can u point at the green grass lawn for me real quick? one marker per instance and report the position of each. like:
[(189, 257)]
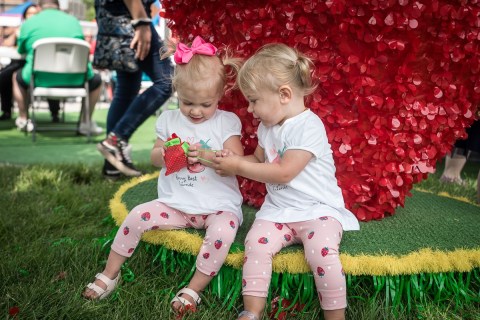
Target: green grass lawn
[(54, 214), (51, 220), (66, 146)]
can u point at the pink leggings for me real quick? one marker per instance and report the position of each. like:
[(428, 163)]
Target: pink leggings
[(321, 239), (221, 229)]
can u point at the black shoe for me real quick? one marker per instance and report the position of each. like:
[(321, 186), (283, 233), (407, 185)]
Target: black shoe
[(6, 116), (117, 151), (110, 172)]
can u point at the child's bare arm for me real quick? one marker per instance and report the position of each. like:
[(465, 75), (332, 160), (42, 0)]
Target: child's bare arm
[(234, 145), (291, 164), (158, 153)]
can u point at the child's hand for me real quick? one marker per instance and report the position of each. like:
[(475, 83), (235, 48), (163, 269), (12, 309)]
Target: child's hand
[(227, 166), (224, 153), (162, 151), (193, 154)]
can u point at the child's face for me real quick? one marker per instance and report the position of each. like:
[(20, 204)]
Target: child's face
[(265, 105), (198, 104)]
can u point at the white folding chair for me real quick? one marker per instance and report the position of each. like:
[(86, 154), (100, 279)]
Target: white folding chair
[(66, 56)]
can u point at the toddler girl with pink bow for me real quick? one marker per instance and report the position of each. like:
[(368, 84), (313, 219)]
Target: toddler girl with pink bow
[(195, 196)]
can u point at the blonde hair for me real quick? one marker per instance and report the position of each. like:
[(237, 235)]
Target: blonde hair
[(204, 71), (274, 65)]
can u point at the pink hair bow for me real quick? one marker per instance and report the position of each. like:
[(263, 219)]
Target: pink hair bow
[(183, 54)]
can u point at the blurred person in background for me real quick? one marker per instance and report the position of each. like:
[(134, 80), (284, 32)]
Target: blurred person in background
[(50, 22), (128, 109)]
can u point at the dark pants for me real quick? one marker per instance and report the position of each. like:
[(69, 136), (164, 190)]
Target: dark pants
[(6, 88), (129, 110), (6, 85)]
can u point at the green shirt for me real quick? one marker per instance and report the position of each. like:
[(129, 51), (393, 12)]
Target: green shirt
[(47, 24)]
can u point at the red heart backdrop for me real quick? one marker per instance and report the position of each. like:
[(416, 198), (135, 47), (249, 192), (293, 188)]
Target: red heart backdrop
[(399, 81)]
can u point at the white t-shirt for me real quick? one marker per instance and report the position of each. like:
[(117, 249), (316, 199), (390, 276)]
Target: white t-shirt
[(314, 192), (198, 189)]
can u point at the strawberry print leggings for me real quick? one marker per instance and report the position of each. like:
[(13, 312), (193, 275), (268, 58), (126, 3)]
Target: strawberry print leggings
[(221, 228), (321, 239)]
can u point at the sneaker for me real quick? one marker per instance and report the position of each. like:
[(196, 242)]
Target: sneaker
[(118, 152), (110, 172), (24, 124), (94, 129)]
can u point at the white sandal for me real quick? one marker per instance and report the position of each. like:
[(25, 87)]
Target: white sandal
[(185, 303), (103, 293)]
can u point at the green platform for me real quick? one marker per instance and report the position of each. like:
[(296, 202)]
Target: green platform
[(432, 245)]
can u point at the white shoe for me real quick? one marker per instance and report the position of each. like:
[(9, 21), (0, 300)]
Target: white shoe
[(94, 129), (24, 124)]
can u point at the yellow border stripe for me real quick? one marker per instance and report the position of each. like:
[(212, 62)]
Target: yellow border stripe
[(422, 261)]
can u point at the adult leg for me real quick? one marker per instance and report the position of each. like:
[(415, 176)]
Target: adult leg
[(263, 241), (321, 240), (20, 95), (54, 107), (147, 103), (147, 216), (115, 149), (127, 87), (135, 109), (22, 99), (6, 95), (6, 88), (87, 125), (93, 97)]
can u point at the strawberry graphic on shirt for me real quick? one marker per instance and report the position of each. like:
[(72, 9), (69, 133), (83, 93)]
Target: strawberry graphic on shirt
[(196, 168), (212, 273), (145, 216), (294, 232), (164, 215), (218, 244), (324, 251), (206, 255), (310, 235), (279, 226), (154, 228), (126, 230), (232, 224), (193, 219), (263, 240), (244, 283), (287, 237), (131, 250), (219, 212), (323, 218), (204, 217), (320, 272)]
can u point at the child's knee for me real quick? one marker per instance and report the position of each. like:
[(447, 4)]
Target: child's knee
[(225, 229), (219, 239)]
